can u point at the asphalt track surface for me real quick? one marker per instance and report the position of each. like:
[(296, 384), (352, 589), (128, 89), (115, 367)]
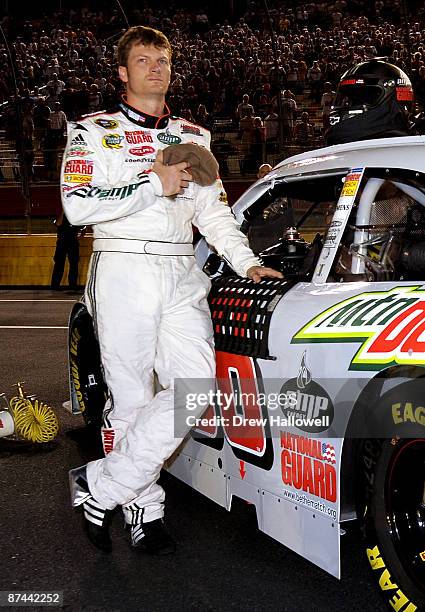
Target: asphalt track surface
[(223, 562)]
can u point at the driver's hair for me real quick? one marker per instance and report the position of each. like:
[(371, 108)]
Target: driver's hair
[(141, 35)]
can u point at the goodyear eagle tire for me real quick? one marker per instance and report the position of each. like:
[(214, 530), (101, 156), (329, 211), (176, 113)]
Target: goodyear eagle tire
[(394, 478), (88, 388)]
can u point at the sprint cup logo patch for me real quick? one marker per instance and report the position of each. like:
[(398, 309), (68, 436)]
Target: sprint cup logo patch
[(389, 325), (107, 124), (112, 141)]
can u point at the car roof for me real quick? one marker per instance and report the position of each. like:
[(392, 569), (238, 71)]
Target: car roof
[(402, 152)]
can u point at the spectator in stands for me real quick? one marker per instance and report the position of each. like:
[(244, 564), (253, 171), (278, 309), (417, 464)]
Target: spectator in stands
[(263, 170), (326, 104), (186, 113), (110, 96), (191, 98), (271, 131), (246, 134), (223, 149), (24, 140), (420, 86), (55, 138), (244, 108), (292, 76), (263, 106), (257, 144), (82, 99), (221, 64), (302, 74), (55, 88), (289, 114), (4, 89), (203, 117), (95, 98), (304, 131), (314, 78), (41, 117)]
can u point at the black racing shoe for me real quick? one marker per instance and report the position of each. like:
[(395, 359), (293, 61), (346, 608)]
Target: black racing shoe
[(96, 518), (152, 538)]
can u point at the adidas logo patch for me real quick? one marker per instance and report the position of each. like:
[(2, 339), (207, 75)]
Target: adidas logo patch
[(78, 140)]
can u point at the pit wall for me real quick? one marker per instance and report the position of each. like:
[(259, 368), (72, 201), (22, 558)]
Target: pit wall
[(28, 260)]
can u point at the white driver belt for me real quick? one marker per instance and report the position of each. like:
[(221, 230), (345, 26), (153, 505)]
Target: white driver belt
[(147, 247)]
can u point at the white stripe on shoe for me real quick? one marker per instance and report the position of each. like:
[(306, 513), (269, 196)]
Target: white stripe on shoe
[(133, 514), (137, 534), (94, 512), (95, 506), (93, 519)]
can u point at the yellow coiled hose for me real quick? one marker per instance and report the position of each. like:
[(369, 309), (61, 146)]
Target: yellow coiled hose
[(35, 422)]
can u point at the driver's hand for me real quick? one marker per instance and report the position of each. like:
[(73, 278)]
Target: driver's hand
[(173, 178), (256, 273)]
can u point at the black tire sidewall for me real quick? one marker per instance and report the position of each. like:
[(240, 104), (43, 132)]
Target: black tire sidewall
[(377, 457)]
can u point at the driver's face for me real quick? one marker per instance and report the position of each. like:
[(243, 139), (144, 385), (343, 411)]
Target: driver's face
[(148, 71)]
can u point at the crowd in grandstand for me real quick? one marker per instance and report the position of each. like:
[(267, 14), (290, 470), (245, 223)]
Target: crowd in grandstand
[(271, 88)]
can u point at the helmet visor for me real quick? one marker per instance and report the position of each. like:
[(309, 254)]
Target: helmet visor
[(358, 96)]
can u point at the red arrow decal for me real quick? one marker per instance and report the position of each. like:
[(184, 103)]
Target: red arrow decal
[(242, 470)]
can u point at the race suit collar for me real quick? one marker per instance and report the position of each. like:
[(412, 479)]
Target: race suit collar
[(143, 119)]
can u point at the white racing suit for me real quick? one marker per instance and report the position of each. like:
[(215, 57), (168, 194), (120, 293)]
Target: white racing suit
[(145, 292)]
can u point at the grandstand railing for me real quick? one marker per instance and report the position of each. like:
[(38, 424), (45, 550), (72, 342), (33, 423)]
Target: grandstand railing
[(228, 149), (33, 174)]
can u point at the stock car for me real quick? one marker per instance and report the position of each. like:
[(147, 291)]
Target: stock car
[(324, 370)]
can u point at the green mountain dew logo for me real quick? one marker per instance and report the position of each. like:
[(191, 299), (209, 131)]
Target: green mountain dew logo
[(168, 138), (390, 325)]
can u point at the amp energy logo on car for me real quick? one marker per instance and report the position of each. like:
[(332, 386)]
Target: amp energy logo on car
[(390, 325), (311, 406)]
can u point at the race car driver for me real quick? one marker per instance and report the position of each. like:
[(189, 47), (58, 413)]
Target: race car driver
[(145, 292)]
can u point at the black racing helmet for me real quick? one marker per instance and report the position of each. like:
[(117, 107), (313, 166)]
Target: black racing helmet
[(373, 100)]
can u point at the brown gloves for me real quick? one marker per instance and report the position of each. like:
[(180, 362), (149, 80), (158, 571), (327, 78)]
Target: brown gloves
[(203, 164)]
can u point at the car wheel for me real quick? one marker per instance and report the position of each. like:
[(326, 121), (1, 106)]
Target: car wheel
[(394, 519)]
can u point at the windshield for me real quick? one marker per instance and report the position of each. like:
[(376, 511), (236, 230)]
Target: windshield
[(307, 204)]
